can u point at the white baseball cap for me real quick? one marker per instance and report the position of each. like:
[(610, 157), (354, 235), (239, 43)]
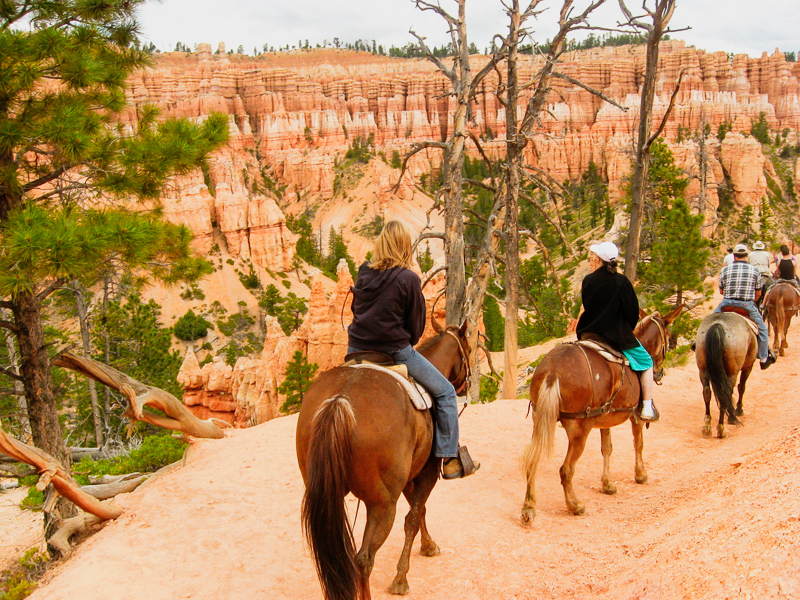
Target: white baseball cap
[(607, 251)]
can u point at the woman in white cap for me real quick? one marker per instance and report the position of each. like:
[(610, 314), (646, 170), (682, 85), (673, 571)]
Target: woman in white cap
[(611, 311)]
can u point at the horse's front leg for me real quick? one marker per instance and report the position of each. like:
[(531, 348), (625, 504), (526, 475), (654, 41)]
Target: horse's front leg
[(577, 432), (416, 492), (638, 445), (380, 519), (707, 399), (607, 448)]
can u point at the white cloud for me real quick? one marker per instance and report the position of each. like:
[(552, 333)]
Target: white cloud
[(739, 26)]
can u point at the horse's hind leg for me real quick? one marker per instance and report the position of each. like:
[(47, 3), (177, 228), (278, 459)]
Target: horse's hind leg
[(741, 387), (638, 445), (416, 492), (707, 399), (577, 432), (380, 518), (607, 448)]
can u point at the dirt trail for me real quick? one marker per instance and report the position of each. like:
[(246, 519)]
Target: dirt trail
[(717, 519)]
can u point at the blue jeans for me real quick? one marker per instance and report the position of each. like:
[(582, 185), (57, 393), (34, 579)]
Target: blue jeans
[(445, 437), (750, 307)]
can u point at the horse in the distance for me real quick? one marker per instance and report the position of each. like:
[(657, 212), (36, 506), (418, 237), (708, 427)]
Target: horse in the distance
[(780, 305), (576, 385), (726, 347), (359, 432)]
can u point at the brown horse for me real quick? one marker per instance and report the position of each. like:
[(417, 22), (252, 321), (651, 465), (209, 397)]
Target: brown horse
[(780, 305), (725, 347), (578, 387), (358, 432)]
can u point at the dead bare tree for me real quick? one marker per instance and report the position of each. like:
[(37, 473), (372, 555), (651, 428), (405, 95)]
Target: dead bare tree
[(654, 28), (503, 219), (464, 85)]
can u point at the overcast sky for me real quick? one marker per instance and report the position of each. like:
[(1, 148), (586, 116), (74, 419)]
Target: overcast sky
[(739, 26)]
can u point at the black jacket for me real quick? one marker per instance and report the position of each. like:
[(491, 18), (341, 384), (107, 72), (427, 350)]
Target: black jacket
[(610, 308), (388, 309)]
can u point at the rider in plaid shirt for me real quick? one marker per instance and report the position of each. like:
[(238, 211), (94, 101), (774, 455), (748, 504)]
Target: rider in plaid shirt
[(740, 284)]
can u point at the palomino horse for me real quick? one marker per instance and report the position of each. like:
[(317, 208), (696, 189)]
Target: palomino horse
[(780, 305), (358, 432), (726, 345), (577, 386)]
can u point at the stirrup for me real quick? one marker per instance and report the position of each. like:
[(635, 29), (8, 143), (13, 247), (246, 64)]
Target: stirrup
[(656, 415), (466, 464)]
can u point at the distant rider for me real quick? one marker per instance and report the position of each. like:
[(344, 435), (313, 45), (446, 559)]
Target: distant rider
[(761, 260), (786, 267), (740, 284)]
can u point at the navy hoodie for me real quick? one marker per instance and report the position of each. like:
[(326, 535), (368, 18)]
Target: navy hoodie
[(388, 309)]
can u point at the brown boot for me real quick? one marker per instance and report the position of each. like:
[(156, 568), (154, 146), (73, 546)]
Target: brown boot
[(459, 466)]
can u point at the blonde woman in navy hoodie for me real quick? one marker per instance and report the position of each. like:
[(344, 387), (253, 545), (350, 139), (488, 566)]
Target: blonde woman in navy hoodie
[(389, 317)]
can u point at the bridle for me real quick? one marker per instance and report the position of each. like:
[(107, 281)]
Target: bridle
[(464, 364)]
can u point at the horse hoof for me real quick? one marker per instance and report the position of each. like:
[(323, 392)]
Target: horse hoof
[(739, 412), (527, 517), (706, 432), (641, 478), (721, 433), (579, 509), (430, 550), (609, 489), (399, 586)]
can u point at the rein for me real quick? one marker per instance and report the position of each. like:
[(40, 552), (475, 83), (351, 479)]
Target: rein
[(464, 363)]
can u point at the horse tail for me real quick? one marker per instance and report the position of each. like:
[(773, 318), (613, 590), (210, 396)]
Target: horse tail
[(323, 514), (715, 365), (780, 318), (548, 405)]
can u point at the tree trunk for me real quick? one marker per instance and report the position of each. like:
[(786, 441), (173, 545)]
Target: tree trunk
[(83, 319), (13, 359), (514, 165), (36, 377), (661, 16)]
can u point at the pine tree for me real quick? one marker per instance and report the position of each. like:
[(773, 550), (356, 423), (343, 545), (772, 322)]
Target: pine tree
[(298, 378), (64, 67), (678, 256)]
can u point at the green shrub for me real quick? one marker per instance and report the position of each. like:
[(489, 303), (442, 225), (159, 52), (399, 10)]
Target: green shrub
[(156, 451), (19, 581), (191, 327), (489, 389)]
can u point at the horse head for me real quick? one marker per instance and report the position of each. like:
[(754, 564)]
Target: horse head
[(653, 332)]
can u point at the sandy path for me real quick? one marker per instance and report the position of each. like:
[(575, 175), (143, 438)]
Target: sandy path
[(20, 529), (717, 519)]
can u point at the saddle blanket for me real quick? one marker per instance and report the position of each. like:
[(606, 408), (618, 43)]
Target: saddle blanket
[(750, 323), (420, 398), (606, 352)]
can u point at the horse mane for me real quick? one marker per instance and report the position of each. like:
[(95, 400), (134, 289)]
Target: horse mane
[(430, 341)]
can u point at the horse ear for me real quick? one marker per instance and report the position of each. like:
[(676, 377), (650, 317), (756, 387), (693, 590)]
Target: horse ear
[(642, 313), (674, 314), (463, 329)]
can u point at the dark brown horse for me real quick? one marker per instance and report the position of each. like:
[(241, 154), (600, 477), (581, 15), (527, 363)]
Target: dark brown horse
[(358, 432), (578, 387), (781, 304), (726, 347)]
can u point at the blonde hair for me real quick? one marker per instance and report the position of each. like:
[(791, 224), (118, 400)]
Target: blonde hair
[(392, 248)]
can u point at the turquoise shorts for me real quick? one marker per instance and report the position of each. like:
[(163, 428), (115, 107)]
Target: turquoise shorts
[(639, 358)]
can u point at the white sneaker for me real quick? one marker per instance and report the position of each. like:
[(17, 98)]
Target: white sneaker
[(649, 413)]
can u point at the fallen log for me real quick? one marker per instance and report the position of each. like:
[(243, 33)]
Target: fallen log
[(123, 485), (176, 416), (52, 471), (77, 524)]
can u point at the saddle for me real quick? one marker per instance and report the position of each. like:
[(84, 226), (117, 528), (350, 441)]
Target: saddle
[(741, 312), (611, 355), (379, 361)]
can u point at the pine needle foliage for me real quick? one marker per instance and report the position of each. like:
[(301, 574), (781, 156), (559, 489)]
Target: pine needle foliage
[(81, 172)]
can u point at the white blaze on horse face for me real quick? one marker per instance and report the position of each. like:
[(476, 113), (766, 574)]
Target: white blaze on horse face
[(597, 376)]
